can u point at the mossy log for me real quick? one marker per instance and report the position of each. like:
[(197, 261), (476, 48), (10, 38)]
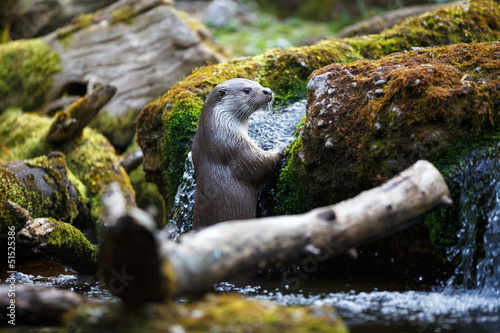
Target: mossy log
[(139, 267), (90, 157), (376, 24), (69, 124)]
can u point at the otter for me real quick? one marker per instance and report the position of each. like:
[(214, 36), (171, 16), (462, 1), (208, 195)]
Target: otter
[(230, 169)]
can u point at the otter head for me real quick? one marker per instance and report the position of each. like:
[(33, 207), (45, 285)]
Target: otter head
[(238, 99)]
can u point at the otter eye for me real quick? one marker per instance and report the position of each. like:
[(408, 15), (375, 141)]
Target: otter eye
[(247, 90)]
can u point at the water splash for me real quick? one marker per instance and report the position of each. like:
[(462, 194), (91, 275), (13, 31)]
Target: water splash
[(478, 246), (488, 270), (180, 219), (267, 128)]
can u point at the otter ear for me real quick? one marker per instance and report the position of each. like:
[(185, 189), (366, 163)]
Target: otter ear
[(222, 93)]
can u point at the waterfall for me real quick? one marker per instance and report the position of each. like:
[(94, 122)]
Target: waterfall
[(478, 246)]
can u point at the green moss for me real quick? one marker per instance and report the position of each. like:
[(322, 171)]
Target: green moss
[(147, 194), (26, 69), (453, 165), (119, 130), (90, 157), (293, 192), (123, 14), (65, 242), (219, 313), (30, 193), (449, 25)]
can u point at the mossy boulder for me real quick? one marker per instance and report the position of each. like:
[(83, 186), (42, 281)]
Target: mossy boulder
[(166, 127), (26, 70), (368, 120), (218, 313), (90, 157), (45, 187), (144, 48)]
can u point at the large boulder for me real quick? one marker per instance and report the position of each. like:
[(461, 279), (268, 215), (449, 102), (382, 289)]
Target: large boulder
[(368, 120)]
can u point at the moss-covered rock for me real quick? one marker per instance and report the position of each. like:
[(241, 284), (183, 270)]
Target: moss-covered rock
[(26, 69), (214, 313), (173, 117), (368, 120), (90, 157), (65, 244)]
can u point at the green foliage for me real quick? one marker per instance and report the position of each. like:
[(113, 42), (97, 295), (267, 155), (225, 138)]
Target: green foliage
[(26, 69)]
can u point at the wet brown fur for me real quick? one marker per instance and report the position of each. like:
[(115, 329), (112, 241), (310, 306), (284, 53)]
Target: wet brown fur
[(230, 169)]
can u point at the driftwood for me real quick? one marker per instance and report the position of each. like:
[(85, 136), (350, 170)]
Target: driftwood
[(69, 124), (47, 237), (140, 266)]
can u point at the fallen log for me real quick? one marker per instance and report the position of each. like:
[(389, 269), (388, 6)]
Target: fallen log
[(140, 266)]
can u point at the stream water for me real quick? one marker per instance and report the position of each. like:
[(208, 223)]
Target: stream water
[(370, 303)]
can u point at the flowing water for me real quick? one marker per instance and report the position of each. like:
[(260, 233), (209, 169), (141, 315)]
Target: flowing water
[(468, 302)]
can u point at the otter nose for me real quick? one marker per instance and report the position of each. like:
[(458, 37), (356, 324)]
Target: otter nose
[(267, 91)]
